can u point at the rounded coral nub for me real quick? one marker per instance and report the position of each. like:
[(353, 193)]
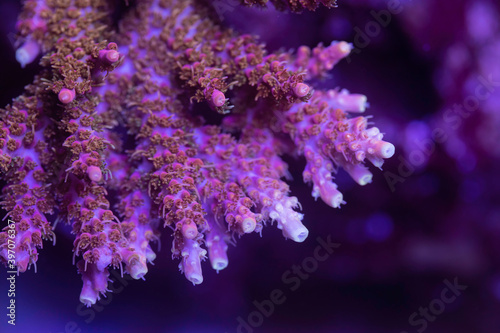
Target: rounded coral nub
[(109, 56), (248, 225), (27, 53), (191, 265), (330, 195), (218, 98), (299, 234), (385, 149), (218, 256), (66, 95), (95, 173), (112, 56), (301, 89), (189, 231), (137, 269), (344, 48)]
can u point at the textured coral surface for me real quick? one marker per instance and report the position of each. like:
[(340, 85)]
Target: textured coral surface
[(114, 136), (190, 124)]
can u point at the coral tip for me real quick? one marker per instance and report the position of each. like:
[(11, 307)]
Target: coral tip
[(218, 98), (189, 231), (301, 89), (95, 173), (66, 95)]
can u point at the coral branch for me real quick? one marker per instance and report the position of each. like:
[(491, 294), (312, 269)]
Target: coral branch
[(110, 137)]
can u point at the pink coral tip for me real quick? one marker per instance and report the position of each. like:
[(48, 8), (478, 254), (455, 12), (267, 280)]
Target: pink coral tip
[(137, 268), (344, 48), (191, 264), (66, 95), (293, 228), (112, 56), (27, 53), (109, 56), (189, 231), (353, 102), (384, 149), (95, 173), (217, 252), (248, 225), (289, 221), (301, 89), (359, 173), (94, 282), (218, 98), (328, 192)]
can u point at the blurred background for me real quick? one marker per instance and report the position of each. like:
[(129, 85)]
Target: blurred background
[(418, 248)]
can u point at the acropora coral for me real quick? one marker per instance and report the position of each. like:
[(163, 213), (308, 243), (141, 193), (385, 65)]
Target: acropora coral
[(152, 114)]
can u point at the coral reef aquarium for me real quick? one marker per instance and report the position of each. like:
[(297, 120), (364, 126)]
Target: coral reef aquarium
[(282, 166)]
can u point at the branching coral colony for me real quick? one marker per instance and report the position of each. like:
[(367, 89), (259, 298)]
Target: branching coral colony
[(114, 112)]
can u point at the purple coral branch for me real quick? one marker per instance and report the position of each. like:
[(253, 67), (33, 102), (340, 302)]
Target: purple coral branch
[(125, 114)]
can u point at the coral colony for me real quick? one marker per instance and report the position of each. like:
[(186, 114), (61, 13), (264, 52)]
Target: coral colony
[(116, 135)]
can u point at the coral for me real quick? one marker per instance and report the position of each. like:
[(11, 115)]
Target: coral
[(293, 5), (131, 110)]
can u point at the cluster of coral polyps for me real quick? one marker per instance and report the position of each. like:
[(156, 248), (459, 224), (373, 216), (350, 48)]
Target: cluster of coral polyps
[(126, 110)]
